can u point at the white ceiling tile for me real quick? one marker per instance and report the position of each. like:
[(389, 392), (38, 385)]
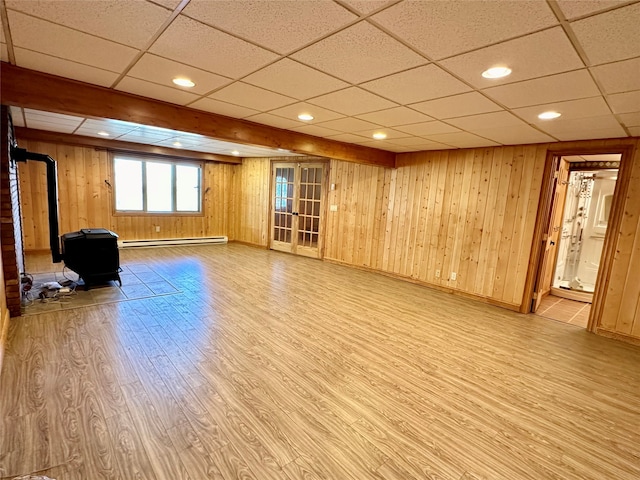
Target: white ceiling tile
[(418, 84), (465, 104), (463, 140), (40, 116), (201, 46), (427, 128), (352, 101), (625, 102), (295, 80), (630, 119), (515, 135), (319, 114), (571, 125), (495, 119), (223, 108), (50, 126), (619, 76), (586, 107), (610, 36), (555, 88), (411, 141), (91, 127), (122, 21), (262, 22), (573, 9), (316, 130), (63, 68), (160, 70), (62, 42), (349, 137), (438, 28), (527, 57), (348, 125), (17, 117), (171, 4), (246, 95), (613, 132), (635, 131), (359, 53), (136, 138), (153, 90), (274, 120), (365, 7), (395, 116)]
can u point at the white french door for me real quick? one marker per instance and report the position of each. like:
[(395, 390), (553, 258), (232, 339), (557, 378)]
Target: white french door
[(296, 211)]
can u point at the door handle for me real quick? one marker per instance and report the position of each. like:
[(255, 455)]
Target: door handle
[(552, 242), (295, 213)]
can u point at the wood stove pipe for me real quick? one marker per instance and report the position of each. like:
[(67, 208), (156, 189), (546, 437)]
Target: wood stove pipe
[(22, 155)]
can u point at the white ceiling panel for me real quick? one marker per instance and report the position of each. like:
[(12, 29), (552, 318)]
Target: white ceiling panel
[(411, 141), (160, 70), (114, 128), (246, 95), (352, 101), (528, 57), (223, 108), (574, 9), (427, 128), (625, 102), (261, 22), (418, 84), (615, 132), (274, 120), (122, 21), (555, 88), (610, 36), (495, 119), (349, 137), (62, 42), (365, 7), (471, 103), (50, 126), (514, 135), (630, 119), (319, 114), (63, 68), (153, 90), (348, 125), (293, 79), (359, 53), (40, 116), (635, 131), (395, 116), (316, 130), (619, 76), (586, 107), (462, 140), (196, 44), (576, 125), (435, 27)]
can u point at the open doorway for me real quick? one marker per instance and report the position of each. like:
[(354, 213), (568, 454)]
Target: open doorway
[(580, 211)]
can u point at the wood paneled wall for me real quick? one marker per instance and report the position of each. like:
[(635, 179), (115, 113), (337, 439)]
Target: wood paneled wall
[(471, 212), (85, 199), (250, 209)]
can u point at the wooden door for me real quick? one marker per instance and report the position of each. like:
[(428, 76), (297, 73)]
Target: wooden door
[(297, 208), (552, 235)]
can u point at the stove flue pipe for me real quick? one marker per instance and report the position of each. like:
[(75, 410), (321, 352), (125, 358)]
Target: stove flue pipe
[(22, 155)]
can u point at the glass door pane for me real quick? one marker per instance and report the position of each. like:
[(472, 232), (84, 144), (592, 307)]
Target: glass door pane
[(309, 206), (283, 204)]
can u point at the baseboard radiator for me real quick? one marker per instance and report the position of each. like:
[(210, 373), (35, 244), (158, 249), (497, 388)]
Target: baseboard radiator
[(169, 242)]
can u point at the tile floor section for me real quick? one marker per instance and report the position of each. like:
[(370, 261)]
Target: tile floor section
[(565, 310), (138, 281)]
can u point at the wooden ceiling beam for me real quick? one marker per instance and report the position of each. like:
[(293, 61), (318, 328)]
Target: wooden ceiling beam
[(21, 87), (118, 145)]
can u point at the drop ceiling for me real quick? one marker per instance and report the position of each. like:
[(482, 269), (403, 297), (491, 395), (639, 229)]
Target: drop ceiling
[(410, 69)]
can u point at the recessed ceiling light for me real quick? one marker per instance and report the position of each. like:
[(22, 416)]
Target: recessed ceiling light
[(550, 115), (379, 135), (235, 152), (177, 144), (496, 72), (305, 117), (183, 82), (103, 134)]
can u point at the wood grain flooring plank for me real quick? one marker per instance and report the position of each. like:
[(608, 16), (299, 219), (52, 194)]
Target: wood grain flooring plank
[(130, 451)]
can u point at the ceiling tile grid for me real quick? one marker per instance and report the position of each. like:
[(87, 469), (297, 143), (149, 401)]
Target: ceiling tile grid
[(410, 69)]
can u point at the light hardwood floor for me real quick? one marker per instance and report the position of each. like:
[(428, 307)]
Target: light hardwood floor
[(271, 366)]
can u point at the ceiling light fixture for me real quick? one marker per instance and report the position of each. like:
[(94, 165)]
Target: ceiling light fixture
[(183, 82), (550, 115), (103, 133), (379, 135), (235, 152), (305, 117), (496, 72), (177, 144)]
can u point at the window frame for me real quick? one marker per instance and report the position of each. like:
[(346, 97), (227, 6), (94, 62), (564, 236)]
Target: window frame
[(157, 159)]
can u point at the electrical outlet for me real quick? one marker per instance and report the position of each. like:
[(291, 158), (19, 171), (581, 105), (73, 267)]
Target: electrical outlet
[(454, 275), (157, 228), (437, 273)]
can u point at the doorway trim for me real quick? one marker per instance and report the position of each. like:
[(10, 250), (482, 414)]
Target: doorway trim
[(543, 219)]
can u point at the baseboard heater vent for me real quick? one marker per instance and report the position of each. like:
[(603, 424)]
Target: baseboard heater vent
[(168, 242)]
